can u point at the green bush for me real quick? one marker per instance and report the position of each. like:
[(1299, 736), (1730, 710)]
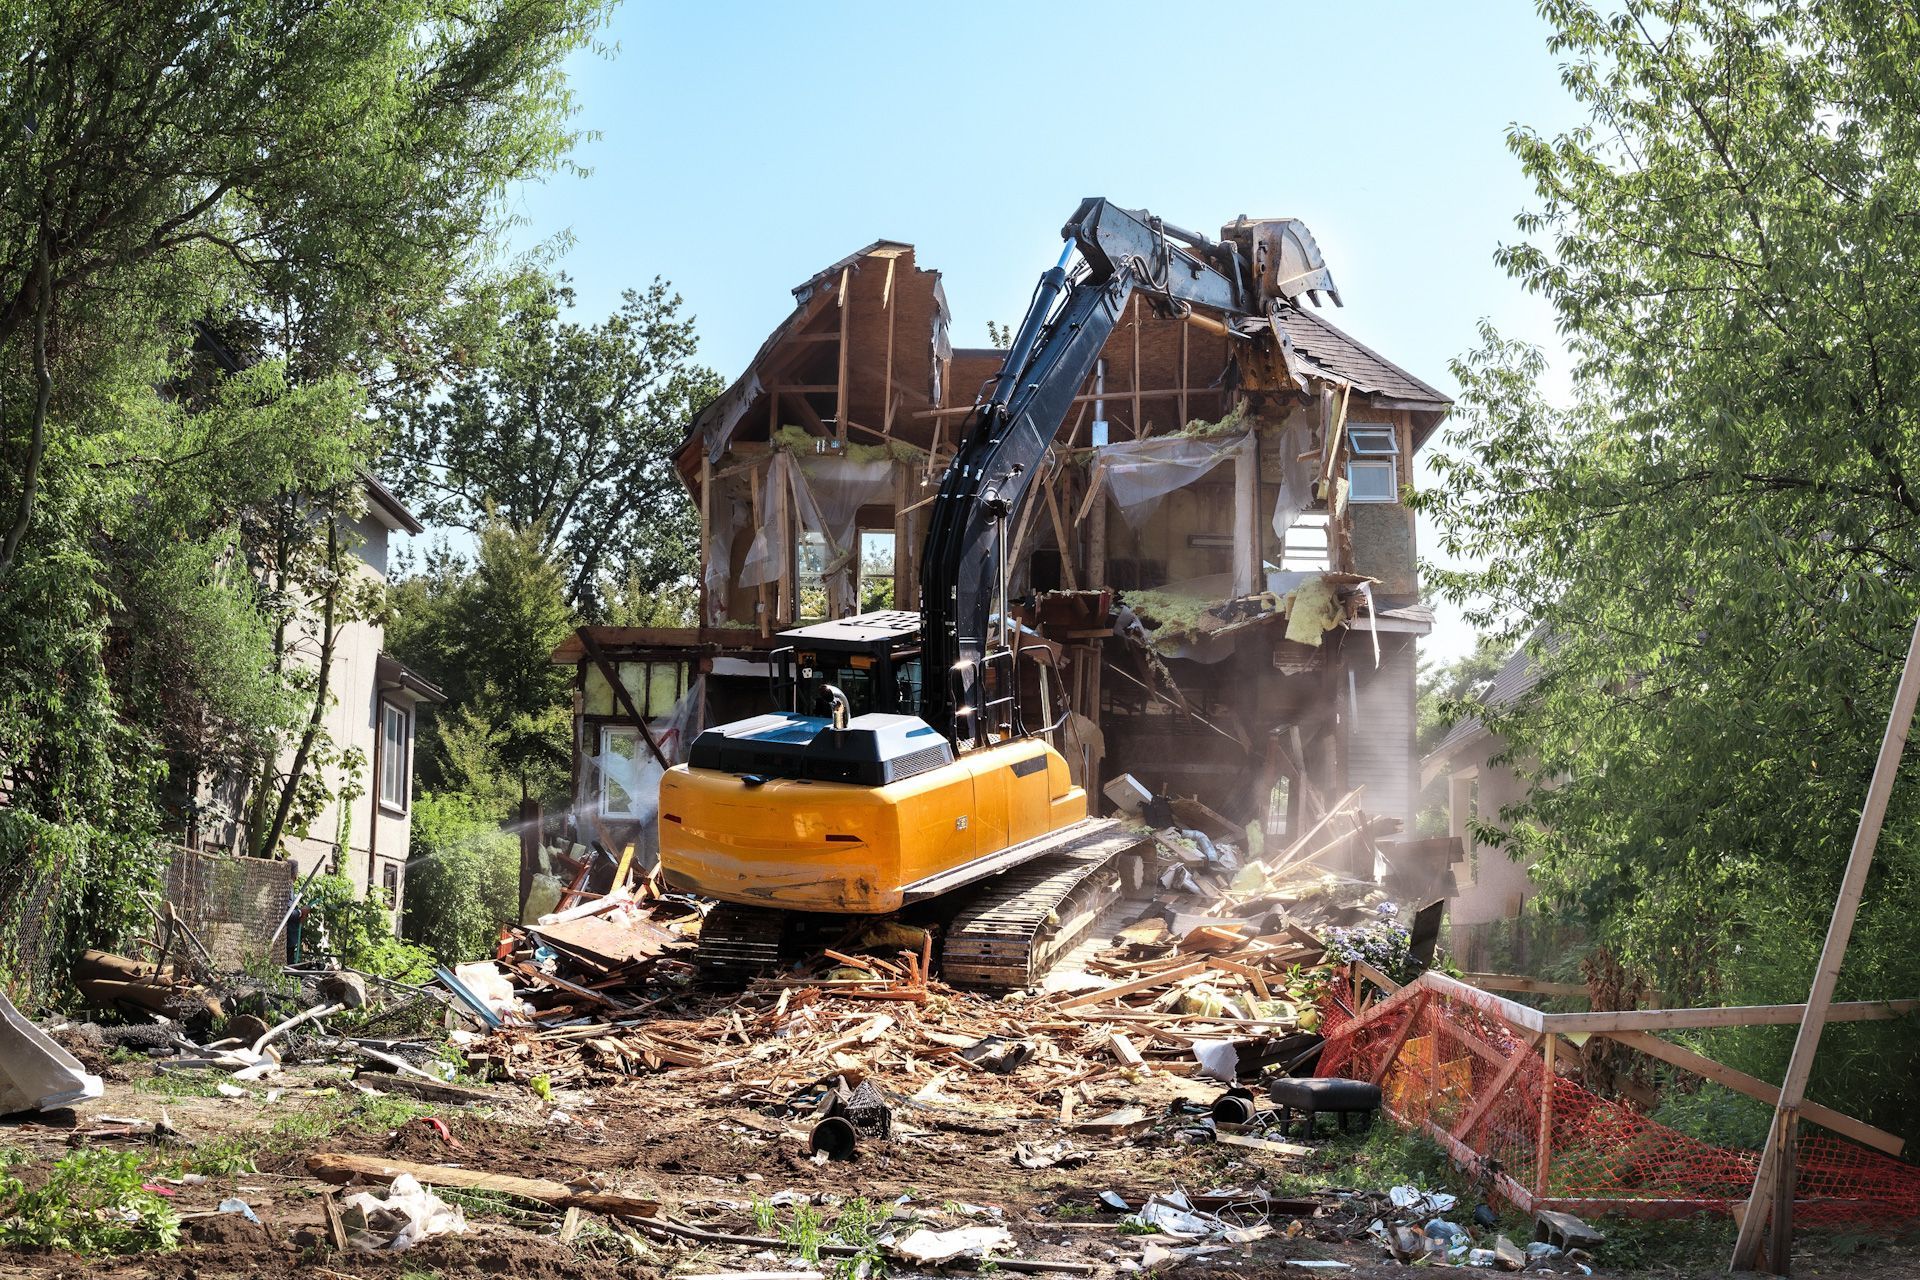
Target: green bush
[(92, 1202), (75, 886), (357, 932), (463, 878)]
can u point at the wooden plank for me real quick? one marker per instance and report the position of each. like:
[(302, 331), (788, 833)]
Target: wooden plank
[(760, 592), (339, 1167), (1543, 1146), (1067, 575), (1139, 428), (1775, 1157), (1147, 983), (706, 526), (1263, 1144), (1400, 1040), (1491, 1093), (886, 301), (1754, 1087), (1528, 986), (840, 388), (1750, 1015)]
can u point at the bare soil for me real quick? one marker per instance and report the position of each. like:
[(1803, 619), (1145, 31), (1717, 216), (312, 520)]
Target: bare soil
[(706, 1157)]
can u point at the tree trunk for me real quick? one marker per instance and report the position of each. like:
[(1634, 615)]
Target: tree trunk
[(291, 785)]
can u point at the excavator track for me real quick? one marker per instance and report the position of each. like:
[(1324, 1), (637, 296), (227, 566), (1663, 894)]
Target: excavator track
[(1011, 929), (739, 943)]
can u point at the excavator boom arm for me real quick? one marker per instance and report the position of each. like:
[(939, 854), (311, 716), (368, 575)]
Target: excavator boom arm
[(991, 478)]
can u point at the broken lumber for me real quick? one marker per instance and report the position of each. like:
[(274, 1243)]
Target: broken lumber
[(340, 1167)]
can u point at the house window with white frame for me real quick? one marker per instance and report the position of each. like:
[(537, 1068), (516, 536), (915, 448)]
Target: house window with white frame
[(619, 752), (394, 757), (1373, 462)]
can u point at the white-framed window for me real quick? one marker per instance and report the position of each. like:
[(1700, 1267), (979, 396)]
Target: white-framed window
[(1372, 480), (1308, 546), (1373, 462), (394, 757), (619, 762)]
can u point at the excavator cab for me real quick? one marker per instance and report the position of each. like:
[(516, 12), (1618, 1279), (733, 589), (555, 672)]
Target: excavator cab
[(873, 659)]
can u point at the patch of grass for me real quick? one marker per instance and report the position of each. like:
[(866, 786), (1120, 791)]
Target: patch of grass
[(1075, 1212), (325, 1117), (482, 1203), (766, 1219), (91, 1202), (1386, 1155), (175, 1085), (224, 1157), (1128, 1228)]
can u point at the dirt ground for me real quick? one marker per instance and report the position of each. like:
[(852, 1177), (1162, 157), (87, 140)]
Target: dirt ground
[(708, 1157)]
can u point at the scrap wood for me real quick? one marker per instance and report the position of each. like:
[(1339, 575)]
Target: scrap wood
[(1129, 988), (1263, 1144), (340, 1167)]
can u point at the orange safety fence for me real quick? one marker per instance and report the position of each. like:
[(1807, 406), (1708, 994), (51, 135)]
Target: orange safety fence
[(1449, 1064)]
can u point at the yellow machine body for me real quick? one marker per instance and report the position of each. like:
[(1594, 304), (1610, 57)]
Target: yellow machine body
[(838, 847)]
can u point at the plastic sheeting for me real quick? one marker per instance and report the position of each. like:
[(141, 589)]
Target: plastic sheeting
[(1141, 472), (638, 775), (820, 495)]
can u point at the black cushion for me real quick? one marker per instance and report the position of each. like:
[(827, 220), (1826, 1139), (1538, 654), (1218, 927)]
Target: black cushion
[(1324, 1093)]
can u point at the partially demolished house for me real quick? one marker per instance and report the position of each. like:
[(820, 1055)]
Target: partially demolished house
[(1227, 577)]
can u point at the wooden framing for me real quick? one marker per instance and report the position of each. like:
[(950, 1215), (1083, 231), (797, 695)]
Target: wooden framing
[(840, 383), (1542, 1033), (1770, 1208)]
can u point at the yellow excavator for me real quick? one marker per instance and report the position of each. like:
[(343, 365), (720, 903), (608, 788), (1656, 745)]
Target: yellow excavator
[(901, 773)]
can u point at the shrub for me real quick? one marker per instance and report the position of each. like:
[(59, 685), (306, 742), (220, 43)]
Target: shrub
[(463, 877)]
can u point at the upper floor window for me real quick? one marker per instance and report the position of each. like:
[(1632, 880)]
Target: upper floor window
[(1373, 462), (394, 774), (876, 569)]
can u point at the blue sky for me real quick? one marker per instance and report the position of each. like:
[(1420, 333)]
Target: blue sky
[(744, 146)]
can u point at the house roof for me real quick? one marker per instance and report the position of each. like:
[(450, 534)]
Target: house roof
[(395, 675), (1517, 677), (386, 508), (1344, 358)]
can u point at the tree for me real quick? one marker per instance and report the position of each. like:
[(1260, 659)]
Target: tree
[(482, 632), (1448, 690), (1721, 528), (300, 190), (571, 429)]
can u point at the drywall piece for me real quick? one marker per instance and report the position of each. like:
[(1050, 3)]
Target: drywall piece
[(35, 1073)]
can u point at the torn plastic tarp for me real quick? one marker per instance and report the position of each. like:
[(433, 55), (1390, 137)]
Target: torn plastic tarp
[(820, 495), (1139, 473), (35, 1073), (637, 775)]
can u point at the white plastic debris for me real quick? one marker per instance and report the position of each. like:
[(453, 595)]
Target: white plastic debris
[(35, 1073), (1175, 1220), (1219, 1059), (930, 1248), (1421, 1203), (489, 986), (408, 1214)]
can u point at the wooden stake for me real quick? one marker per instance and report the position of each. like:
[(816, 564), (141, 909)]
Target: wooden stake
[(1543, 1150), (1772, 1196)]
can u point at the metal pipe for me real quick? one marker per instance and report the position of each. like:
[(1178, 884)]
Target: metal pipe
[(841, 707)]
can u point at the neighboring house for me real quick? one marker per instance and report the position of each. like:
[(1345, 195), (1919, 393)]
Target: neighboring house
[(1490, 887), (1222, 632), (371, 715)]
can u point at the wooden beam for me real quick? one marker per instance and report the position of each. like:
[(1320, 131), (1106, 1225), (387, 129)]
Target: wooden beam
[(1147, 983), (762, 615), (1139, 428), (1529, 986), (1148, 393), (840, 390), (1491, 1093), (1067, 575), (706, 528), (1776, 1155), (1184, 330), (340, 1167), (1543, 1146), (886, 301), (1748, 1015), (1754, 1087), (620, 694)]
